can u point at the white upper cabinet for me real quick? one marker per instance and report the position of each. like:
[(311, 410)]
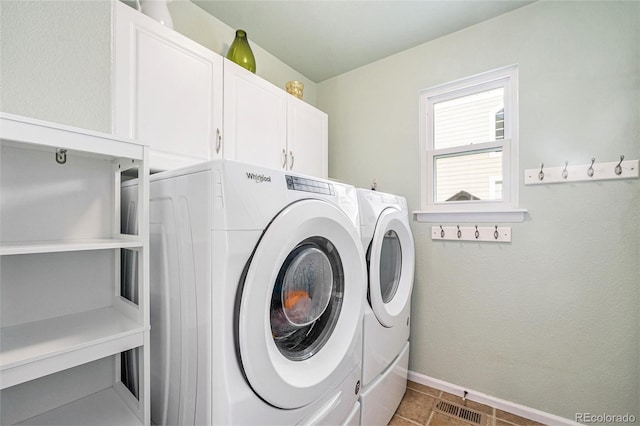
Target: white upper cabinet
[(169, 94), (168, 91), (255, 118), (307, 138), (265, 125)]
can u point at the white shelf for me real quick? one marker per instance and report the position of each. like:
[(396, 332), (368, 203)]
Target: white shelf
[(31, 349), (35, 247), (44, 347), (53, 136), (104, 408)]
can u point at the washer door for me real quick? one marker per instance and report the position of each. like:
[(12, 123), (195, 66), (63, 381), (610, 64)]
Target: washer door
[(301, 304), (391, 266)]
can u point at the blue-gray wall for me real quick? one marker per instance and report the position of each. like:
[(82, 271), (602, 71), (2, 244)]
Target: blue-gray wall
[(549, 321)]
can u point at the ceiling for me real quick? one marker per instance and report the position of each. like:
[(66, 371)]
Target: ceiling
[(322, 39)]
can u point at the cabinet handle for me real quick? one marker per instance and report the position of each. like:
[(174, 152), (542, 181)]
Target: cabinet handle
[(292, 160), (284, 159), (218, 141)]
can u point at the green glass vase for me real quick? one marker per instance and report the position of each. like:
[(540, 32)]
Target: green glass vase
[(240, 52)]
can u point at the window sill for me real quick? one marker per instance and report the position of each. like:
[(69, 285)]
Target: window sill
[(486, 216)]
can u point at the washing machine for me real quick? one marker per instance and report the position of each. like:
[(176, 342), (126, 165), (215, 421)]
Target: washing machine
[(390, 255), (257, 283)]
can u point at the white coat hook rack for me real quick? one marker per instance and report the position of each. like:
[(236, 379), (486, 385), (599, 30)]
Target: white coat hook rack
[(493, 234), (622, 169)]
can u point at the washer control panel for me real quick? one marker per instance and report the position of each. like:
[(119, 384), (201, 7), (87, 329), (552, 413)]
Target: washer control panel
[(297, 183)]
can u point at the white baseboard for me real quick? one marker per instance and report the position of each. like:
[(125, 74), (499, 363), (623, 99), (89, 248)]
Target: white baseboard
[(491, 401)]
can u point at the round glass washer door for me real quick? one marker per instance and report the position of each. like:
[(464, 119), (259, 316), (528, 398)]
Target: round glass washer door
[(391, 266), (306, 299), (300, 307)]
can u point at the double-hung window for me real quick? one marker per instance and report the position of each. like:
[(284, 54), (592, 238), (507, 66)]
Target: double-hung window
[(469, 147)]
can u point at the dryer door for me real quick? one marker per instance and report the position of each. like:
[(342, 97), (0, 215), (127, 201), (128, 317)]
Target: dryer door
[(391, 266), (301, 304)]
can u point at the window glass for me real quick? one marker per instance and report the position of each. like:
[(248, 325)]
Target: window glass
[(469, 142), (469, 119), (468, 177)]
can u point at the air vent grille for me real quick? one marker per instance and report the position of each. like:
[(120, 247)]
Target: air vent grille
[(460, 412)]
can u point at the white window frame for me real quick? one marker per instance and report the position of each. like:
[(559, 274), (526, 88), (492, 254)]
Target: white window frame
[(505, 210)]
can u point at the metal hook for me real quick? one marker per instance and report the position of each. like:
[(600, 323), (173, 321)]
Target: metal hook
[(565, 173), (590, 169), (61, 156), (477, 234), (541, 174), (495, 233), (618, 168), (459, 232), (441, 232)]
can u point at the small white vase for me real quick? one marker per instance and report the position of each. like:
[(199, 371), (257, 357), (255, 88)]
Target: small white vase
[(156, 9)]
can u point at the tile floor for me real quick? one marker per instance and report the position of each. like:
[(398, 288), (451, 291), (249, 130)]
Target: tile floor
[(417, 408)]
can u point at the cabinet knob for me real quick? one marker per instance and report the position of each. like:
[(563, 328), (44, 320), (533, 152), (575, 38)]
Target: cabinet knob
[(292, 160), (284, 158)]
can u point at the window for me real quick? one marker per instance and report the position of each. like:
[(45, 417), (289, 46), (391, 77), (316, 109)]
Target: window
[(469, 146)]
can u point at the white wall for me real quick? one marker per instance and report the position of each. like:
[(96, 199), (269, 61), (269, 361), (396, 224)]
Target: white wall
[(551, 320), (56, 58)]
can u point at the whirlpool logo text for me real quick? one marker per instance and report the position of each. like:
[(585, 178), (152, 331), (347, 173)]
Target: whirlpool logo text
[(258, 178)]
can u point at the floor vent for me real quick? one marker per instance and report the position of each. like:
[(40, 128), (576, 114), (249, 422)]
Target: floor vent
[(460, 412)]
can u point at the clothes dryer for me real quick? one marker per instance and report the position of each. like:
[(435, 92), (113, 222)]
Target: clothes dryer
[(390, 255), (257, 283)]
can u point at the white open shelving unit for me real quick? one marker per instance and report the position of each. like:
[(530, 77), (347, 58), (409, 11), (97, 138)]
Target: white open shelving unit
[(74, 314)]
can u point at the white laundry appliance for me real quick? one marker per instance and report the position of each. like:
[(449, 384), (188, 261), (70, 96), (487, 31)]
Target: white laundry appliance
[(257, 282), (390, 253)]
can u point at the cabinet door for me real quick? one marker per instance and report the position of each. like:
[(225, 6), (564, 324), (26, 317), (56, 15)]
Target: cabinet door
[(168, 91), (255, 118), (307, 129)]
